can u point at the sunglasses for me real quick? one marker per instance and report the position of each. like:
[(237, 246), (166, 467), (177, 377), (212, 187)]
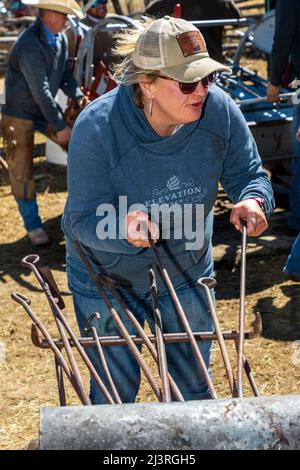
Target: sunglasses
[(188, 88)]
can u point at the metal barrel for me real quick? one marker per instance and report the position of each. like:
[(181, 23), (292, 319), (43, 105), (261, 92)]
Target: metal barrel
[(239, 423)]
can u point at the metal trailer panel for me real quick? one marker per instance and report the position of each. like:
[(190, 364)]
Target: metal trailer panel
[(247, 423)]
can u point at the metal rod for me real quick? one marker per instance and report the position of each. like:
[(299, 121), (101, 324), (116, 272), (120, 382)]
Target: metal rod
[(130, 343), (57, 312), (225, 22), (240, 352), (249, 373), (119, 341), (182, 316), (72, 360), (105, 367), (60, 382), (146, 340), (263, 99), (208, 283), (160, 344), (74, 366), (102, 358), (22, 300)]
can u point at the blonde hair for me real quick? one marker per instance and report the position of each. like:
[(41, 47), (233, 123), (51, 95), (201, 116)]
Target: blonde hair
[(125, 71)]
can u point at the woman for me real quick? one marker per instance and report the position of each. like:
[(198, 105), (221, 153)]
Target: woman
[(165, 137)]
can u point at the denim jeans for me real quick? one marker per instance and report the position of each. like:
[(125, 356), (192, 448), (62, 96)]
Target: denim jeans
[(294, 197), (292, 265), (123, 367), (30, 214)]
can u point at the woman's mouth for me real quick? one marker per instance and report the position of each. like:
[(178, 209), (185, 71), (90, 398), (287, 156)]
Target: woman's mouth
[(197, 105)]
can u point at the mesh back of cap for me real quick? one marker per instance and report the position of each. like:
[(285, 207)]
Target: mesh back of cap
[(148, 49)]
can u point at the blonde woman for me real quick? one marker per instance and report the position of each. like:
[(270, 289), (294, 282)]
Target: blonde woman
[(163, 139)]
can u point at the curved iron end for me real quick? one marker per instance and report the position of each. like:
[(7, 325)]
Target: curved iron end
[(210, 282), (30, 260), (20, 298), (94, 316)]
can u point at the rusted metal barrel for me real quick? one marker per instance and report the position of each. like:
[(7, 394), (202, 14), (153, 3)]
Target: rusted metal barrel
[(247, 423)]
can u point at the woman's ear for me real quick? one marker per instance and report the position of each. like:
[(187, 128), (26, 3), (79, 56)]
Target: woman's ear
[(146, 87)]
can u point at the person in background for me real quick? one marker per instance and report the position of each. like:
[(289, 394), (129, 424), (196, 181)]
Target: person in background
[(292, 265), (97, 17), (38, 67), (156, 140), (286, 50), (200, 10)]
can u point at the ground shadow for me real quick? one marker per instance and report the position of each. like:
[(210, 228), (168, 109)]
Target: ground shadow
[(51, 255), (263, 267), (281, 323)]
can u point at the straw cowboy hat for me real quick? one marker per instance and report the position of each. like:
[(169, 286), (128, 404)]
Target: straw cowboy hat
[(69, 7)]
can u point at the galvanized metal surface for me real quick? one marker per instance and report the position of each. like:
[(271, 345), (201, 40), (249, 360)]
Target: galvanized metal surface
[(248, 423)]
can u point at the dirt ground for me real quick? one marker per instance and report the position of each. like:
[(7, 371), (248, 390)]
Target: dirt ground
[(27, 376)]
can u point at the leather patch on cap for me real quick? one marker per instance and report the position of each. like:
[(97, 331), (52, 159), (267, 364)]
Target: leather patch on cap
[(191, 43)]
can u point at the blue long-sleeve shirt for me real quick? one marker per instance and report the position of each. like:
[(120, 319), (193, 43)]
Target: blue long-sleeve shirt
[(114, 152), (35, 73)]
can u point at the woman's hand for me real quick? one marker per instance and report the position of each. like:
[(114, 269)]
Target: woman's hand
[(251, 213), (64, 136), (298, 135), (137, 221)]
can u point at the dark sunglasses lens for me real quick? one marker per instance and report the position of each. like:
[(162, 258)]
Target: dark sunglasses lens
[(188, 88), (206, 81)]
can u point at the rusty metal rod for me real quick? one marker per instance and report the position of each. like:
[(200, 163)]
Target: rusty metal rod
[(119, 341), (249, 373), (57, 312), (120, 325), (25, 302), (102, 358), (72, 360), (60, 382), (160, 344), (105, 367), (182, 316), (74, 366), (208, 283), (145, 339), (240, 351)]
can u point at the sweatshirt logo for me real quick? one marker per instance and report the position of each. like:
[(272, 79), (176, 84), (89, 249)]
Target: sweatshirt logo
[(173, 183), (178, 191)]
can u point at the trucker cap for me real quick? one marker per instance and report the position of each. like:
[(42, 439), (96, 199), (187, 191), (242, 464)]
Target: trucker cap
[(177, 48)]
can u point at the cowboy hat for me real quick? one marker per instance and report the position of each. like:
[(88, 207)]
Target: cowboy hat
[(68, 7)]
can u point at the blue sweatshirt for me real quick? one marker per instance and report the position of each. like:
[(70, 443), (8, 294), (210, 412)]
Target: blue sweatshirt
[(115, 152)]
